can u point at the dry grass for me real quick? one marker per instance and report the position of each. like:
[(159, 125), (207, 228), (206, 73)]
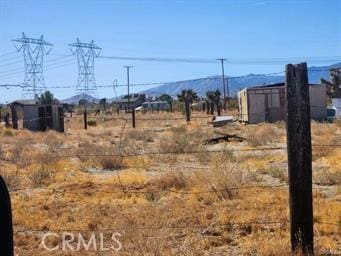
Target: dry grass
[(261, 135), (41, 177), (179, 201), (111, 162)]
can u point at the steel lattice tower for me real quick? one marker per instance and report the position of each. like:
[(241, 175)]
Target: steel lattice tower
[(86, 53), (33, 51)]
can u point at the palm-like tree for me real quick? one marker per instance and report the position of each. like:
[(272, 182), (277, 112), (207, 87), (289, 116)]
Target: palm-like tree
[(334, 85), (46, 98), (103, 103), (168, 99), (215, 98), (188, 97)]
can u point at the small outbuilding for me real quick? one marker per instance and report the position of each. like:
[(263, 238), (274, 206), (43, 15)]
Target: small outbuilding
[(156, 105), (267, 103), (134, 101), (40, 117)]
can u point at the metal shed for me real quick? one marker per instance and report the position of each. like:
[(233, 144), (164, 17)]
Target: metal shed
[(40, 117), (267, 103)]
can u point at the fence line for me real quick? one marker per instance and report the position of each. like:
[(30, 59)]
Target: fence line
[(129, 190), (260, 223)]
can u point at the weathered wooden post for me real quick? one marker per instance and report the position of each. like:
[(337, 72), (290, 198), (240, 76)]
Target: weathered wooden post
[(133, 116), (85, 118), (219, 108), (6, 227), (14, 117), (212, 108), (299, 159), (187, 110)]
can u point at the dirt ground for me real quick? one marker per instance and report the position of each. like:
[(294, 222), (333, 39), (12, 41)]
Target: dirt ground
[(162, 189)]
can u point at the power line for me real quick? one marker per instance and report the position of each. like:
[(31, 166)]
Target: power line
[(8, 53), (230, 61), (48, 67), (49, 62)]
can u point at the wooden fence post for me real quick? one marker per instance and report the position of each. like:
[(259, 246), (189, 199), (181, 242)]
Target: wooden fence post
[(299, 158), (187, 110), (133, 116), (85, 119), (6, 230)]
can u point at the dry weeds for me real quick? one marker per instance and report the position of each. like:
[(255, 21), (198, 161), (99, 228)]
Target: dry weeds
[(179, 202)]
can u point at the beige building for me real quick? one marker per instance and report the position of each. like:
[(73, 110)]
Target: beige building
[(267, 103)]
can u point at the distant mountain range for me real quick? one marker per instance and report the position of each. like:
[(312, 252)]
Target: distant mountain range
[(75, 99), (202, 85)]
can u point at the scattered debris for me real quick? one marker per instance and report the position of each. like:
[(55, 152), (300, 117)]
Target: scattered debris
[(224, 137), (219, 121)]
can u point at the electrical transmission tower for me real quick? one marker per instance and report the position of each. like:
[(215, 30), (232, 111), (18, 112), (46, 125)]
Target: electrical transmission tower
[(86, 53), (33, 51)]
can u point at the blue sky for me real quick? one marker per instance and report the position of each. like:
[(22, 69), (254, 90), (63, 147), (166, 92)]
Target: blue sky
[(234, 29)]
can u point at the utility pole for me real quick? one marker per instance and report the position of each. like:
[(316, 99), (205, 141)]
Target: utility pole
[(299, 159), (128, 86), (226, 90)]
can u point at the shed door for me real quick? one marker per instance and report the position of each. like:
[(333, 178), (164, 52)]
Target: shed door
[(49, 117), (60, 120), (256, 108), (42, 119)]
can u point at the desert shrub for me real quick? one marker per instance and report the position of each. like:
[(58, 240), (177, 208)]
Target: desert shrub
[(8, 133), (171, 180), (278, 173), (327, 176), (111, 162), (179, 141), (12, 180), (52, 141), (19, 154), (139, 135), (45, 158), (41, 177), (261, 135), (226, 155), (97, 155), (232, 103), (179, 129), (92, 123), (323, 139), (223, 178)]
